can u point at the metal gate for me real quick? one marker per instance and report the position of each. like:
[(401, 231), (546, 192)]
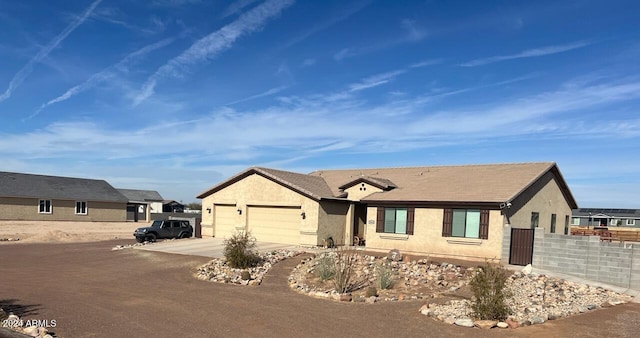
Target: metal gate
[(521, 250)]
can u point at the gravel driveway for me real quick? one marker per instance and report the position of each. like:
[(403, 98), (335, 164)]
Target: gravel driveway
[(92, 291)]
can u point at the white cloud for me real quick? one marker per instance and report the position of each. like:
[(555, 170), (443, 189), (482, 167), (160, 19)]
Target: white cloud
[(375, 80), (214, 43), (266, 93), (105, 74), (23, 73), (309, 62), (542, 51), (237, 6), (343, 54), (414, 31)]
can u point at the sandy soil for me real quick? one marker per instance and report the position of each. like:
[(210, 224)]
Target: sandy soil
[(60, 231)]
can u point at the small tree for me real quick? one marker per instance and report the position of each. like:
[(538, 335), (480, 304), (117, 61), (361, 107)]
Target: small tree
[(240, 251), (488, 287), (385, 276), (326, 267), (345, 262)]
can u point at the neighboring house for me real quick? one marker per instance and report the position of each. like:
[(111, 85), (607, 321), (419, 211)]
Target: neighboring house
[(589, 217), (456, 211), (172, 206), (142, 202), (53, 198)]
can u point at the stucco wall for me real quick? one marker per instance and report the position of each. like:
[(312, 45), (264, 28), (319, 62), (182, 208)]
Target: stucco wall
[(544, 197), (259, 191), (427, 237), (61, 210), (360, 191), (332, 221)]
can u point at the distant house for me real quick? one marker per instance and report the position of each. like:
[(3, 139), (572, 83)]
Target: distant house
[(458, 211), (600, 217), (52, 198), (142, 202), (172, 206)]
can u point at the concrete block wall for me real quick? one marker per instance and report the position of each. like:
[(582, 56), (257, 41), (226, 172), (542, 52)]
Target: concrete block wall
[(587, 257)]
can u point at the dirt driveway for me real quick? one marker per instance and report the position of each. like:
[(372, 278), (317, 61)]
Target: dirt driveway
[(92, 291)]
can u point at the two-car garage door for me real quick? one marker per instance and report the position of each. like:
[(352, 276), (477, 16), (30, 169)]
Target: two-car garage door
[(274, 224)]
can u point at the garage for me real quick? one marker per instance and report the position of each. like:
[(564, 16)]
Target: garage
[(275, 224), (225, 219)]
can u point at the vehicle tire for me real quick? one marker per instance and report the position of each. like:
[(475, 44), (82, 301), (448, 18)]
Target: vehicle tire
[(139, 239), (184, 235), (150, 238)]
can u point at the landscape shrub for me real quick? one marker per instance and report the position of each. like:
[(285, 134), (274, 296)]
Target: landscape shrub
[(345, 264), (385, 276), (326, 268), (488, 287), (240, 251)]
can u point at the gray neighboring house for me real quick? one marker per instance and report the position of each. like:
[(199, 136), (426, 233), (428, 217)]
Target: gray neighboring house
[(31, 197), (142, 201), (601, 217)]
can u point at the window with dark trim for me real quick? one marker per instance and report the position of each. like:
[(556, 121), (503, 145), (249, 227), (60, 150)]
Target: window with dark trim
[(535, 219), (466, 223), (566, 224), (553, 223), (44, 206), (81, 208), (395, 220)]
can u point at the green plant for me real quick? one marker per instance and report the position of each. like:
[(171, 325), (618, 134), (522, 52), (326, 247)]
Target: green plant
[(371, 291), (326, 267), (240, 251), (488, 287), (245, 275), (385, 276)]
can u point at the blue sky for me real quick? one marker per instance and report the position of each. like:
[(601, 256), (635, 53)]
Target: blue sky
[(177, 95)]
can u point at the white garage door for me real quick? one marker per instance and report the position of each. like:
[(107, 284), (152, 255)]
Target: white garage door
[(275, 224), (225, 218)]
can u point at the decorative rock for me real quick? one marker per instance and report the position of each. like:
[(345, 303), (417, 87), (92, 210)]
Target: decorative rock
[(449, 320), (536, 320), (345, 297), (31, 331), (372, 299), (512, 324), (527, 269), (485, 324), (502, 325), (464, 322), (394, 255)]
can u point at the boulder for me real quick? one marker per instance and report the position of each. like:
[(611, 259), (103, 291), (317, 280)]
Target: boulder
[(485, 324), (394, 255), (502, 325), (464, 322), (527, 269)]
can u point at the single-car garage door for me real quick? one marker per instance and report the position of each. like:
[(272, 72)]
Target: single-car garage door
[(225, 218), (275, 224)]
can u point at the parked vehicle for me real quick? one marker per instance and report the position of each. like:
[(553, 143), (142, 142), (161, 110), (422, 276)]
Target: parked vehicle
[(164, 229)]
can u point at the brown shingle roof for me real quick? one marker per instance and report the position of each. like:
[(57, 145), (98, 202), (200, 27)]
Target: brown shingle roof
[(494, 183), (311, 186), (487, 183)]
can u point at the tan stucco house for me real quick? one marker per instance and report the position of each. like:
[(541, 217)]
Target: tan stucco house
[(29, 197), (455, 211)]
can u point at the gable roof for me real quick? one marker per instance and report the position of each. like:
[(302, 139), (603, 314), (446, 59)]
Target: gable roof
[(486, 183), (307, 185), (464, 184), (56, 187), (141, 195)]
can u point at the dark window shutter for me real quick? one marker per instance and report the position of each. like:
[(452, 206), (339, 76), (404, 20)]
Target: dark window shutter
[(484, 224), (446, 222), (380, 220), (410, 216)]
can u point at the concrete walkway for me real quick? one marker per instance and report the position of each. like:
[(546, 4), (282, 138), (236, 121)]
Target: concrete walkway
[(205, 247)]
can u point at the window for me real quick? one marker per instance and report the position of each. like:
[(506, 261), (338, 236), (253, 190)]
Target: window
[(467, 223), (631, 222), (81, 208), (44, 207), (615, 222), (553, 223), (535, 219), (395, 220), (566, 224), (575, 221)]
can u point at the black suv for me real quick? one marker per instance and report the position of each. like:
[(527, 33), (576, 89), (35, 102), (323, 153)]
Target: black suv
[(164, 229)]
